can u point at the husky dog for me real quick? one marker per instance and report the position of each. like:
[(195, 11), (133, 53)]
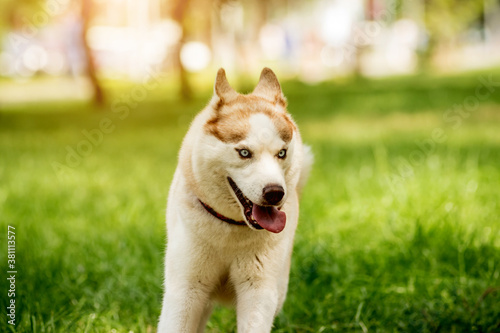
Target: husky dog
[(232, 209)]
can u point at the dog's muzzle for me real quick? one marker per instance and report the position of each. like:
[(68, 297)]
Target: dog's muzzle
[(267, 217)]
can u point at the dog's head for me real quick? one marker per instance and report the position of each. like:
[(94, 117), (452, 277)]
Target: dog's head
[(249, 152)]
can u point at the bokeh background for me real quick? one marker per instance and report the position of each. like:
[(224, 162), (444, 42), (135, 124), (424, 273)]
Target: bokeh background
[(87, 41), (400, 101)]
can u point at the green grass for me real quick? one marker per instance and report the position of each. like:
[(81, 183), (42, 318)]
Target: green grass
[(385, 243)]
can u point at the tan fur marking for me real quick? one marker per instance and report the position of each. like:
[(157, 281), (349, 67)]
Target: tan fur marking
[(284, 125), (280, 101), (219, 104), (230, 127), (231, 120)]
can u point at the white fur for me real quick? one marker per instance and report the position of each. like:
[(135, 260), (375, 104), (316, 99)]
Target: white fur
[(208, 259), (264, 142)]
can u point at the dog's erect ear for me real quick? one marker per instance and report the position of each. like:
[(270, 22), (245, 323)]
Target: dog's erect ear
[(269, 87), (222, 88)]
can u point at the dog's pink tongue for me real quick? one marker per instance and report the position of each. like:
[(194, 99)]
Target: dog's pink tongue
[(269, 218)]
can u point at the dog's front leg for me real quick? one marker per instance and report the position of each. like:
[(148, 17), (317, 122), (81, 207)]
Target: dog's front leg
[(189, 280), (183, 308), (256, 307)]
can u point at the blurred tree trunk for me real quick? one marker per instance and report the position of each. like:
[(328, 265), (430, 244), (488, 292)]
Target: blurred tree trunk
[(179, 15), (89, 57), (425, 61), (361, 48)]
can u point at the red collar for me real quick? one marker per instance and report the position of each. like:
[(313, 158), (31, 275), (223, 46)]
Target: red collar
[(219, 216)]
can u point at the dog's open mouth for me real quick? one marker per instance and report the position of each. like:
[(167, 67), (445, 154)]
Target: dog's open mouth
[(260, 217)]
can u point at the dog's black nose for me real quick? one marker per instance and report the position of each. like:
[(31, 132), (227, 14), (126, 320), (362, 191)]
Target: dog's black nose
[(273, 194)]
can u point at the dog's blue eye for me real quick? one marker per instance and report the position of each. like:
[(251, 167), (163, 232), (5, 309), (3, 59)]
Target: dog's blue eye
[(245, 153), (282, 153)]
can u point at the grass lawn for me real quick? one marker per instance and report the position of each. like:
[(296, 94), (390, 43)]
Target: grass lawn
[(400, 221)]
